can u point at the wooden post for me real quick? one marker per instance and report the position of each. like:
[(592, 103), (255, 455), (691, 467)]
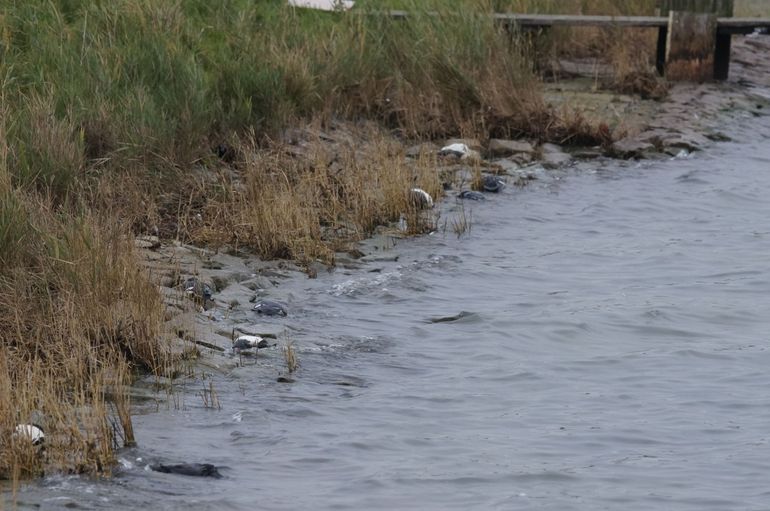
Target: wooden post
[(722, 56), (690, 46), (660, 53), (720, 8)]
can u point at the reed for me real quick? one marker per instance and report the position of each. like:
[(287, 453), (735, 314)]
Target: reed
[(290, 357)]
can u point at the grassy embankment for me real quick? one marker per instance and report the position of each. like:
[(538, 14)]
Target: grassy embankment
[(110, 114)]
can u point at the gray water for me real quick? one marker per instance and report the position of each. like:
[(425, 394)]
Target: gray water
[(613, 356)]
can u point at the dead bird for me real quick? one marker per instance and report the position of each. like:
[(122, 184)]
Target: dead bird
[(471, 195), (30, 432), (250, 342), (420, 198), (492, 184), (458, 150), (188, 469), (198, 290), (269, 308)]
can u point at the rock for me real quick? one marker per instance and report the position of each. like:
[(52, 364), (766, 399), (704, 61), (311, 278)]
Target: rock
[(690, 141), (587, 153), (553, 156), (522, 158), (315, 267), (148, 242), (718, 136), (285, 379), (631, 147), (501, 148)]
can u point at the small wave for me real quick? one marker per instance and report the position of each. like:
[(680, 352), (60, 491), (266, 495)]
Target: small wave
[(358, 286)]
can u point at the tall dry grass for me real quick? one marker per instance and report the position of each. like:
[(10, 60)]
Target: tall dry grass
[(77, 316), (305, 202)]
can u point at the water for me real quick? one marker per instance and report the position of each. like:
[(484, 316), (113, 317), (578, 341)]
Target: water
[(612, 355)]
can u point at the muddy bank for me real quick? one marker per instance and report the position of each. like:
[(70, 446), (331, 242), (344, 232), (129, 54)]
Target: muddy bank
[(203, 329), (689, 117)]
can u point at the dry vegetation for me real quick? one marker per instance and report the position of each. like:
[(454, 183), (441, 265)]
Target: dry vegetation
[(136, 116), (305, 201)]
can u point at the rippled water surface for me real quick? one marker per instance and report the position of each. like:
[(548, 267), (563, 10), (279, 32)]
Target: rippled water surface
[(612, 355)]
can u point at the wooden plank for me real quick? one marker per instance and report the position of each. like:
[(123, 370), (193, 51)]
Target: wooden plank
[(551, 20), (724, 25), (741, 25), (690, 46)]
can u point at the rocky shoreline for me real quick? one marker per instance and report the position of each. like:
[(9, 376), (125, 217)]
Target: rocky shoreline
[(687, 120)]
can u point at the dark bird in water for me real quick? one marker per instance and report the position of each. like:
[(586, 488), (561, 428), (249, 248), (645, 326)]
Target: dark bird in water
[(269, 308), (188, 469), (492, 184), (471, 195)]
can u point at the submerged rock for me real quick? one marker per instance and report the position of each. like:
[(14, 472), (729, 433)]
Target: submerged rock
[(631, 147), (553, 156), (270, 308), (188, 469)]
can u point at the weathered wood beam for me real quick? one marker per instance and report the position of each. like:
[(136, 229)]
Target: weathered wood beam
[(724, 25), (690, 46), (552, 20)]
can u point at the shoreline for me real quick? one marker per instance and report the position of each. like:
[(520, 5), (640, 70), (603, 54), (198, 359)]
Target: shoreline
[(688, 120), (194, 175)]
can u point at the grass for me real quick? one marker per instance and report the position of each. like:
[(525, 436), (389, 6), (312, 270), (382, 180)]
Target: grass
[(462, 222), (148, 116), (290, 357), (78, 318)]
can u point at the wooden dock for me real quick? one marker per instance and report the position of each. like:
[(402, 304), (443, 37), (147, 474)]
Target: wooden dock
[(725, 29)]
